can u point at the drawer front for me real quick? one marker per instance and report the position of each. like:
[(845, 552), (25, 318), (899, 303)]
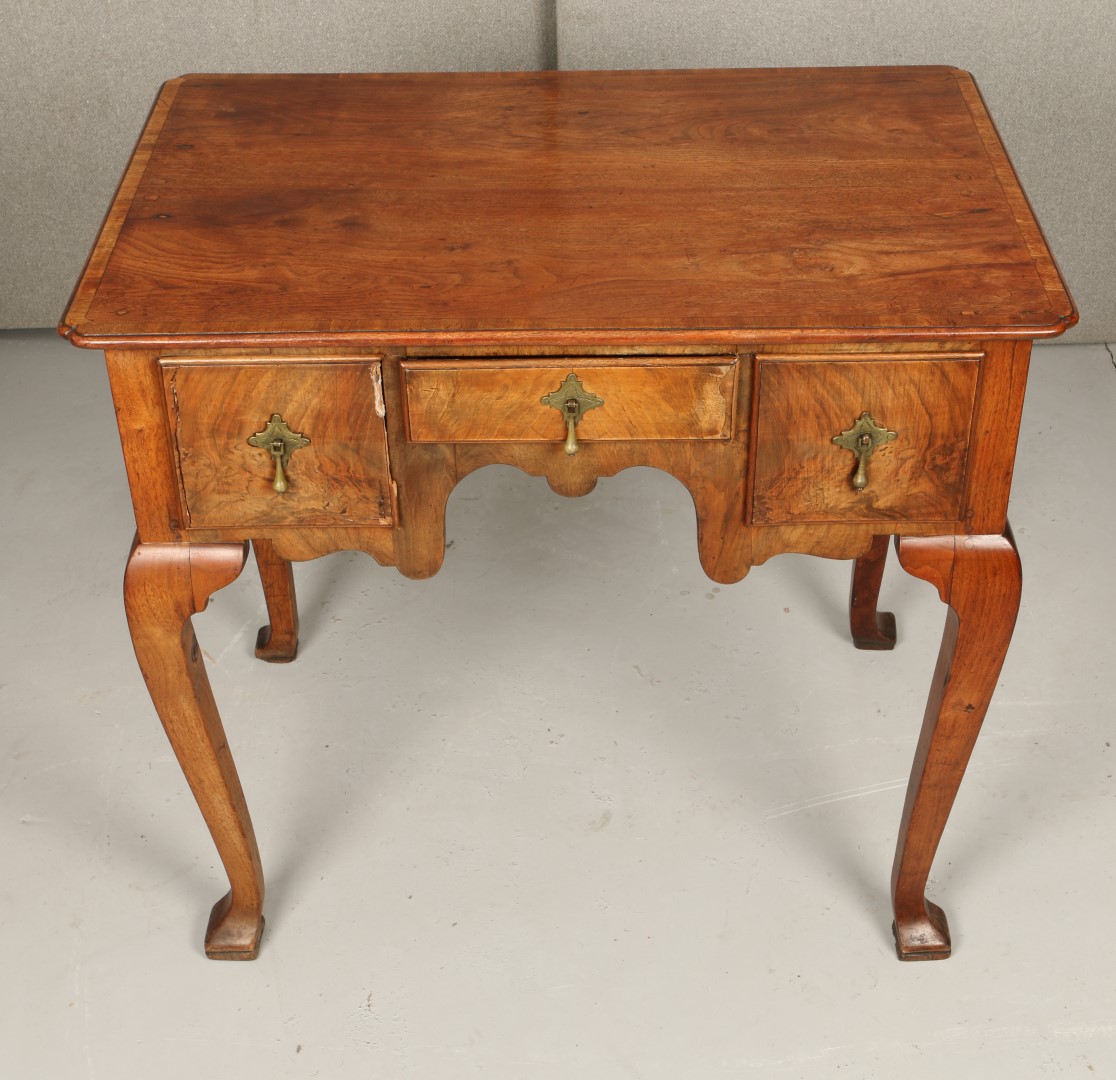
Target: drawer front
[(340, 477), (801, 475), (649, 397)]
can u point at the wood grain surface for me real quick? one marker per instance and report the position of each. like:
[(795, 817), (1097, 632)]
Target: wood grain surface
[(685, 205), (647, 398)]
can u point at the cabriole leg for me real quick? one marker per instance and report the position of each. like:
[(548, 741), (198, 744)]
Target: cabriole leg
[(278, 641), (871, 629), (163, 586), (979, 578)]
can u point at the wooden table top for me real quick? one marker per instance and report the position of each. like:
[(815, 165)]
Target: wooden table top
[(612, 207)]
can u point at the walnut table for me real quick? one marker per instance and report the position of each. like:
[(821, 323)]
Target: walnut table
[(810, 295)]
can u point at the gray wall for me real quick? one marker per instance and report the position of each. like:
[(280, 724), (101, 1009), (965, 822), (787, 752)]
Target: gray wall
[(76, 81)]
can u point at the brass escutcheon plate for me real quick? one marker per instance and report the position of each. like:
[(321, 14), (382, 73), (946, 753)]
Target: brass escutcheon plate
[(279, 441), (573, 401), (862, 439)]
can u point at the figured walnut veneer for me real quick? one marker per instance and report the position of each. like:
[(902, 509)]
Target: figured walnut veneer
[(340, 478), (801, 404), (652, 398)]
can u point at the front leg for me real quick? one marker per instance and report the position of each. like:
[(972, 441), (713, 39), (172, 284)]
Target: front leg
[(163, 586), (979, 578)]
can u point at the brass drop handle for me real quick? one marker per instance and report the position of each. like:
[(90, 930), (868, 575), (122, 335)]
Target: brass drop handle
[(573, 414), (572, 400), (278, 452), (280, 442), (862, 439)]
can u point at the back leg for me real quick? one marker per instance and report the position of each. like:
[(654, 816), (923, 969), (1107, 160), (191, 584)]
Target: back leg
[(871, 629), (278, 641)]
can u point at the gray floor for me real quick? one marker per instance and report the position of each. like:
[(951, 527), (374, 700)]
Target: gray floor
[(567, 809)]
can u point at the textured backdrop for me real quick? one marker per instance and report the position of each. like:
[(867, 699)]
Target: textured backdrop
[(76, 81)]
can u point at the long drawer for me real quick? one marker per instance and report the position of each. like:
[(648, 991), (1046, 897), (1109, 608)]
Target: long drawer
[(648, 397)]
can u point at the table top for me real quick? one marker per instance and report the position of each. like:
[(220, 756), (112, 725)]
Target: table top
[(785, 205)]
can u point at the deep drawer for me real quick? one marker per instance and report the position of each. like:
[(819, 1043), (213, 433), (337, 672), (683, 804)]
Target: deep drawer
[(340, 477), (801, 475)]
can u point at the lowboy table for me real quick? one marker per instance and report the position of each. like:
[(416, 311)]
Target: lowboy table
[(809, 295)]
